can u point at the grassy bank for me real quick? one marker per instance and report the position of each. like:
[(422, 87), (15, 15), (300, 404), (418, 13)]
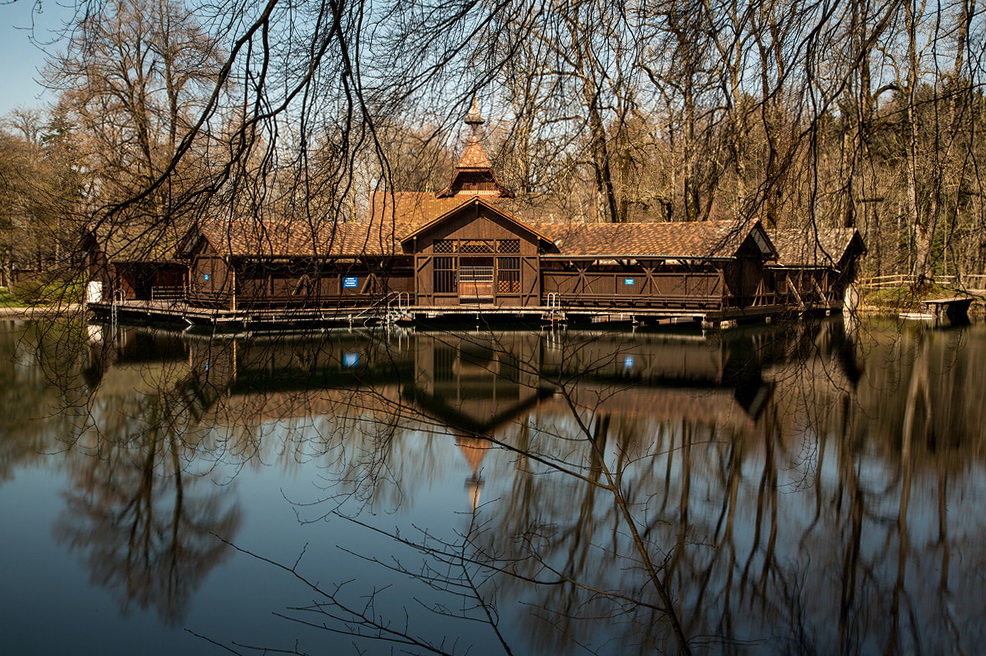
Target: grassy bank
[(893, 300), (31, 293), (8, 300)]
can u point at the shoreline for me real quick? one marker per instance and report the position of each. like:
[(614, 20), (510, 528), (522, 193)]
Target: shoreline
[(30, 311)]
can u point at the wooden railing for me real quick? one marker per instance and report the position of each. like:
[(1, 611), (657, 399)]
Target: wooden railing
[(664, 301), (167, 293)]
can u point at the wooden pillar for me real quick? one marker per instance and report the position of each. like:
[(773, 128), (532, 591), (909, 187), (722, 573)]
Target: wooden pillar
[(232, 284)]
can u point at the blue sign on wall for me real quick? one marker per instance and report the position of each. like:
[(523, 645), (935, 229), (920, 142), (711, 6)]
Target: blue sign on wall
[(205, 276), (350, 359), (628, 281), (350, 281), (628, 362)]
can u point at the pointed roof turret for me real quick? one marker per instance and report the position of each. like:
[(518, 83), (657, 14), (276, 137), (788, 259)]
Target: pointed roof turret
[(474, 174), (474, 157)]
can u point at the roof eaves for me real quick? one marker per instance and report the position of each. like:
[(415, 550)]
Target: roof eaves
[(634, 256)]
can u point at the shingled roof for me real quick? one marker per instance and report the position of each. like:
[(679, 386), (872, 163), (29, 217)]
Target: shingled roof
[(394, 218), (294, 238), (391, 218), (810, 248), (408, 211), (474, 157), (694, 240)]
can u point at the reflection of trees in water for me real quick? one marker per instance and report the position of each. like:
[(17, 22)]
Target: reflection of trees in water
[(794, 530), (752, 552), (146, 528), (142, 510), (790, 498), (33, 409)]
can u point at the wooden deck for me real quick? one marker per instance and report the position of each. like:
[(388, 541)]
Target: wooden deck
[(954, 310)]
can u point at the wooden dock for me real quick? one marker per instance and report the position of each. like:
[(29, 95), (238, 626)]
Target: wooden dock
[(181, 314), (954, 310)]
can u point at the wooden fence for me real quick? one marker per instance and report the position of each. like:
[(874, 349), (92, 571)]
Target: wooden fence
[(968, 282)]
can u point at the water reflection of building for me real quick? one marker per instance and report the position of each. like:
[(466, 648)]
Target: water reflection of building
[(477, 385), (481, 388), (483, 385)]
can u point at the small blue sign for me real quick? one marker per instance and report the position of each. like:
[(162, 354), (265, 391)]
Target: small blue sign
[(628, 281), (350, 359), (350, 282), (628, 362), (205, 276)]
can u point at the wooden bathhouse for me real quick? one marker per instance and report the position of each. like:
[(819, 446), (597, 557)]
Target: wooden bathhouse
[(291, 264), (133, 263), (815, 269), (472, 249)]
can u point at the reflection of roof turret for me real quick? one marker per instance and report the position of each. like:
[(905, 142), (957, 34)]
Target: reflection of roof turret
[(474, 449)]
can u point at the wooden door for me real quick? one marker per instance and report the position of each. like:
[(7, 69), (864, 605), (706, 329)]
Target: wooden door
[(475, 278)]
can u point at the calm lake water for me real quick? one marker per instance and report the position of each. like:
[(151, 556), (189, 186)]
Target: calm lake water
[(805, 488)]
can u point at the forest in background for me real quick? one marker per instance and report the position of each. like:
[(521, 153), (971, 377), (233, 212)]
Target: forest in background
[(803, 114)]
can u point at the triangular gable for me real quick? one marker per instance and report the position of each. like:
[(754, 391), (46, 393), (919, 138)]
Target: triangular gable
[(823, 248), (476, 200), (762, 240), (188, 244), (855, 245)]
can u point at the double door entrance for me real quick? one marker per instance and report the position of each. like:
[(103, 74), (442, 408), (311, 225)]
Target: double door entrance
[(476, 278)]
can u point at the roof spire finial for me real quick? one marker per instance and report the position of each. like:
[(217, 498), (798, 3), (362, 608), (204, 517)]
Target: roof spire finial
[(474, 119)]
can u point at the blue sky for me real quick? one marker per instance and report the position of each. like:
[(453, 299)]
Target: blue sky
[(20, 59)]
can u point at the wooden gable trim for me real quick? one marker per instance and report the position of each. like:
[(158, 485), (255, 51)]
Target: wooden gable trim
[(760, 237), (474, 201), (855, 249), (194, 243)]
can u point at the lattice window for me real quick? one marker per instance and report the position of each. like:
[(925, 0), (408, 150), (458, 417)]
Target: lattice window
[(445, 275), (508, 275), (508, 246), (476, 246), (444, 246)]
